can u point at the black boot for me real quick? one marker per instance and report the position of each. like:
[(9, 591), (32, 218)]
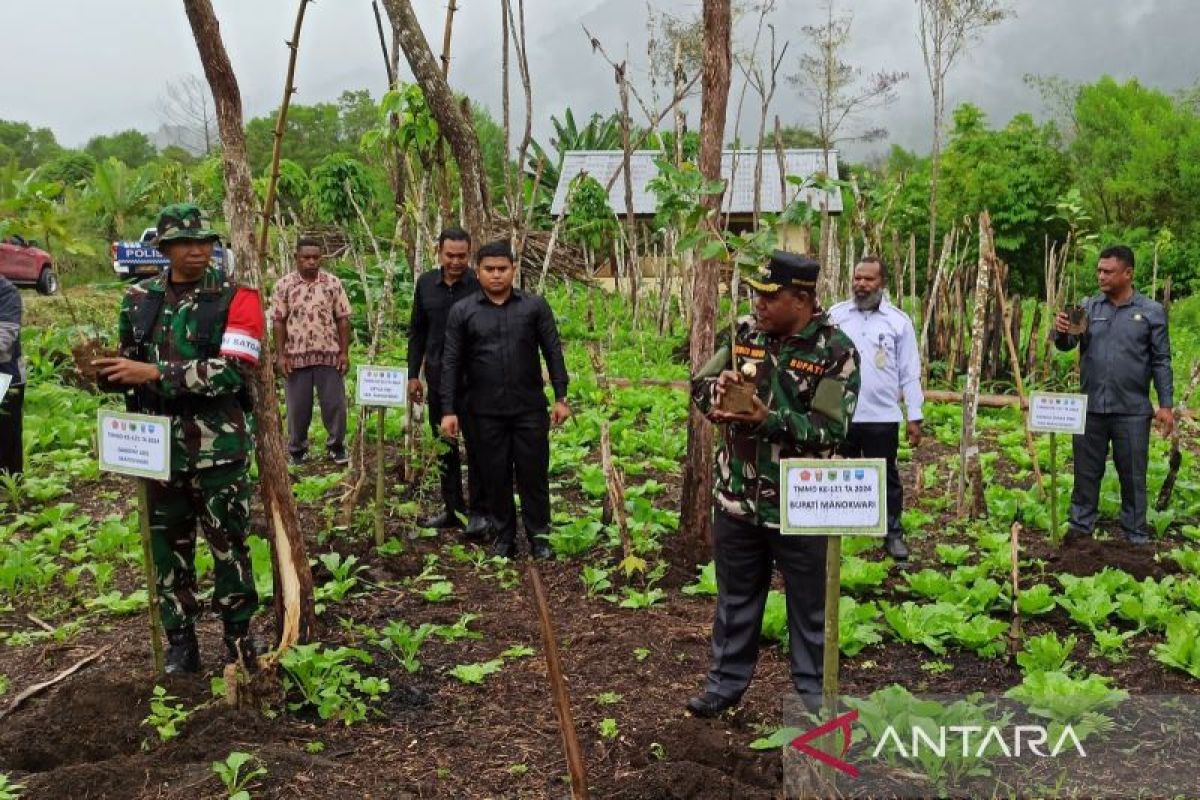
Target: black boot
[(478, 528), (183, 651), (710, 704), (896, 548), (241, 646), (539, 548), (504, 548), (894, 542), (446, 519)]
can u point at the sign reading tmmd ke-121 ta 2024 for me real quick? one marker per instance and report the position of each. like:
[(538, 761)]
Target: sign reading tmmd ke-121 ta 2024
[(838, 497)]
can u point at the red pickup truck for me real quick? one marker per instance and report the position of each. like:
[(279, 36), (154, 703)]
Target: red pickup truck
[(25, 264)]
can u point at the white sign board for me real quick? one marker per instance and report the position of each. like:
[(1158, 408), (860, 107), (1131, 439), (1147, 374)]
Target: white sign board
[(5, 382), (382, 386), (1050, 412), (135, 444), (838, 497)]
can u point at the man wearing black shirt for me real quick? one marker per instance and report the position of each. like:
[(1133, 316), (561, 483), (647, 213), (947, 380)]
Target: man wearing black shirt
[(436, 291), (493, 339)]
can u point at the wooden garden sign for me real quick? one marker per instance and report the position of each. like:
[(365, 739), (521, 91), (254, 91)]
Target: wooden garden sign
[(139, 445), (382, 387)]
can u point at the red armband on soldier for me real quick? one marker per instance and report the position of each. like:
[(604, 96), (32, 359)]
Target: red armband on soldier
[(244, 327)]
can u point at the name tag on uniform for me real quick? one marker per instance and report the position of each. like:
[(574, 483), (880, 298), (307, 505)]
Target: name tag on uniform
[(750, 352), (806, 367)]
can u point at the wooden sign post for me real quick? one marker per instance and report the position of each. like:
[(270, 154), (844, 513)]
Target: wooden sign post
[(833, 498), (383, 388), (139, 446), (1055, 413)]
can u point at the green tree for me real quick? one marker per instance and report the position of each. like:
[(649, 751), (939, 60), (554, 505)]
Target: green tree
[(336, 180), (1016, 173), (69, 167), (117, 196), (28, 146), (600, 133), (208, 183), (292, 192), (132, 147), (357, 112), (1132, 155), (179, 155)]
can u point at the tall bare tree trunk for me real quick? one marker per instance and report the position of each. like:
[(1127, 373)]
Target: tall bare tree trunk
[(294, 614), (697, 476), (455, 125), (631, 254), (970, 481)]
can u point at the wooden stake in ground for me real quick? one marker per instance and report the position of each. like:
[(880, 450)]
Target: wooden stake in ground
[(156, 643), (379, 488), (558, 686), (1054, 537), (833, 632), (1014, 632), (294, 614)]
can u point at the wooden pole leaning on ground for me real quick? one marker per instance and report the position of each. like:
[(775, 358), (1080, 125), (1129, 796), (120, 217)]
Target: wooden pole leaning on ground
[(558, 687), (1175, 460), (156, 642)]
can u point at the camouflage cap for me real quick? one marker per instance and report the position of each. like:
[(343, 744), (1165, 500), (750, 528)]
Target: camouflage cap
[(182, 221), (786, 269)]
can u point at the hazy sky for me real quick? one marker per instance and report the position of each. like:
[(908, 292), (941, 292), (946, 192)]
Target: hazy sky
[(83, 67)]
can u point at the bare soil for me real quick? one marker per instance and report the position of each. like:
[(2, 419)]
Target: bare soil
[(436, 738)]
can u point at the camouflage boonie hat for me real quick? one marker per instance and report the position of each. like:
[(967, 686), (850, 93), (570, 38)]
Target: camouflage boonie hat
[(182, 221), (786, 269)]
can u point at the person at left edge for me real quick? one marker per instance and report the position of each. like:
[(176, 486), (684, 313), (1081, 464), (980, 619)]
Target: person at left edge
[(188, 339), (494, 339), (12, 453), (891, 369), (805, 373), (310, 315)]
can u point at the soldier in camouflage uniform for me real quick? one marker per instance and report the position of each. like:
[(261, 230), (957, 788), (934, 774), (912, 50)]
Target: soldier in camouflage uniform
[(805, 371), (188, 339)]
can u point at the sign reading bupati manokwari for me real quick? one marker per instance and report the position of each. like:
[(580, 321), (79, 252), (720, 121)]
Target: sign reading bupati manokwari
[(839, 497), (134, 444)]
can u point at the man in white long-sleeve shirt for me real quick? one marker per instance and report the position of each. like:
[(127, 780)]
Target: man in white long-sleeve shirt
[(890, 370)]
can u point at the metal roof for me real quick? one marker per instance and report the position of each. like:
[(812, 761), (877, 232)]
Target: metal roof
[(739, 198)]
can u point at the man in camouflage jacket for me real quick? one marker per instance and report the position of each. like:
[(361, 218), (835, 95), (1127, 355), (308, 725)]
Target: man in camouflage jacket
[(188, 339), (805, 374)]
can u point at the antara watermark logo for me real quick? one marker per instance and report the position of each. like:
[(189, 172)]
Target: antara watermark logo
[(1013, 742), (977, 741)]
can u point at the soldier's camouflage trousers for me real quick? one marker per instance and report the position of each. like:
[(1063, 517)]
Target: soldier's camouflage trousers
[(219, 499)]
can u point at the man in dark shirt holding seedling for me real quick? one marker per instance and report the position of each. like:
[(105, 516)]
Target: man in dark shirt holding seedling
[(1124, 347)]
